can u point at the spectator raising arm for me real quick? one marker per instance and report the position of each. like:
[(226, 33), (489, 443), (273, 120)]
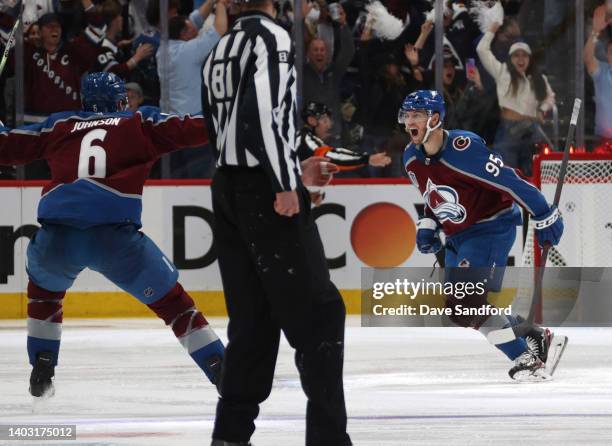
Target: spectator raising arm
[(412, 56), (221, 20), (426, 29), (599, 24), (488, 59), (199, 16), (345, 48), (599, 70)]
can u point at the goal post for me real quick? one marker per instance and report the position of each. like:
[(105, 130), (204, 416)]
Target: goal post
[(586, 206)]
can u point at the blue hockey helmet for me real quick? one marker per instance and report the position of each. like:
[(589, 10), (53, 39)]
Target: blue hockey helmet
[(103, 92), (428, 100)]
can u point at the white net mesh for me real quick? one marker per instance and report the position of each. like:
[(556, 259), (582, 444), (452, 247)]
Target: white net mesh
[(587, 212)]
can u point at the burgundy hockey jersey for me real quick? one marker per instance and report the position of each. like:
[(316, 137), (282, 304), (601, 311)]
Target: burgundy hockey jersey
[(99, 161), (467, 184)]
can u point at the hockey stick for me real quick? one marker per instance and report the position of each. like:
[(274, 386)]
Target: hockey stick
[(524, 327), (11, 38)]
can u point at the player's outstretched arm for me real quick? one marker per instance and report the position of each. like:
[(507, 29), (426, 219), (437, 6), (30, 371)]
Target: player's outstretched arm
[(21, 145), (172, 132), (475, 160)]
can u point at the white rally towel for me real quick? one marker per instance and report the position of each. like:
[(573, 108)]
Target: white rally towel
[(485, 14), (385, 25), (430, 16)]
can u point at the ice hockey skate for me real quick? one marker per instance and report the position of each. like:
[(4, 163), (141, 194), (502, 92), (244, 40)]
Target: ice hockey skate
[(547, 346), (544, 346), (41, 383), (528, 367)]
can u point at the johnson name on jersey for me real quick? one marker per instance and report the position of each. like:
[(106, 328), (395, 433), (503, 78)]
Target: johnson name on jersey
[(99, 161), (466, 183)]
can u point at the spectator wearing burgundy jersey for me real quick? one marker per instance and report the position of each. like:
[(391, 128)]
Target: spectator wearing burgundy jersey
[(53, 72), (52, 77)]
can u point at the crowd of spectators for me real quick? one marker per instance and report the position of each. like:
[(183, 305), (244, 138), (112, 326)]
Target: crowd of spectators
[(502, 82)]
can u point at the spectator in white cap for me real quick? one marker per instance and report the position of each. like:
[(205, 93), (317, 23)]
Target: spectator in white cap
[(524, 97), (135, 96)]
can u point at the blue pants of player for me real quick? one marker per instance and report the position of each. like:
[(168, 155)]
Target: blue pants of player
[(484, 249), (126, 257), (121, 253)]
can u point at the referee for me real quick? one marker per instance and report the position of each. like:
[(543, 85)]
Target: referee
[(271, 257)]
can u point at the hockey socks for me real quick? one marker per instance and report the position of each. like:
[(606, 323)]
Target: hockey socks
[(513, 349), (44, 323), (178, 310), (504, 338)]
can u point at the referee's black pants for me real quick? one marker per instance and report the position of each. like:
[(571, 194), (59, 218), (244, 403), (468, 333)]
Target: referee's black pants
[(275, 278)]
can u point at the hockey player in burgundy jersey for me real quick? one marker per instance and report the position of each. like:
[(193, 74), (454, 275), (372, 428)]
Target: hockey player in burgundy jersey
[(90, 216), (472, 197)]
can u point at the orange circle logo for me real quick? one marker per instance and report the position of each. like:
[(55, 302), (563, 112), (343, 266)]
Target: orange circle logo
[(383, 235)]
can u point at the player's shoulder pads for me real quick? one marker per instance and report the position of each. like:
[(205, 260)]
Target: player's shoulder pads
[(461, 140), (410, 152)]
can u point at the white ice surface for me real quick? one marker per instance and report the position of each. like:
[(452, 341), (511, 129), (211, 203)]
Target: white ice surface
[(128, 382)]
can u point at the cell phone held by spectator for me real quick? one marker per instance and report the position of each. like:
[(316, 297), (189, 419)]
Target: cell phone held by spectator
[(470, 67)]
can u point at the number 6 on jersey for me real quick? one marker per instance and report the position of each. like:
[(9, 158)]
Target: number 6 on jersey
[(89, 151)]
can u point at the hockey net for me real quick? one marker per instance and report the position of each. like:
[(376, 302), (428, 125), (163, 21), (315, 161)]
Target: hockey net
[(586, 206)]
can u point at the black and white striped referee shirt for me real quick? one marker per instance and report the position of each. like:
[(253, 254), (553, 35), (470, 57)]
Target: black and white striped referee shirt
[(248, 99)]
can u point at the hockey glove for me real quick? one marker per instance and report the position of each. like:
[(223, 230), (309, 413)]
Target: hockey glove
[(427, 237), (549, 227)]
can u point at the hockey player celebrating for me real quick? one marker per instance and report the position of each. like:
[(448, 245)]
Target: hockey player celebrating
[(90, 215), (472, 197)]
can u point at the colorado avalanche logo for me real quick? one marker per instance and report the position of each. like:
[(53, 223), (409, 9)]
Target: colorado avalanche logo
[(461, 142), (444, 202)]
